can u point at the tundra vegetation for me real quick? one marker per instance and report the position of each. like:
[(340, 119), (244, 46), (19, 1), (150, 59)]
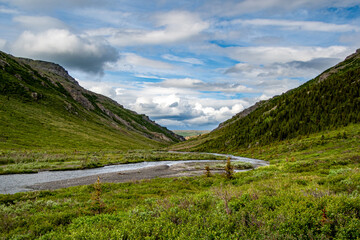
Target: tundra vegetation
[(310, 190)]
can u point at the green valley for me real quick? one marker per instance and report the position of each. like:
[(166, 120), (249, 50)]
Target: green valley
[(310, 191), (309, 135)]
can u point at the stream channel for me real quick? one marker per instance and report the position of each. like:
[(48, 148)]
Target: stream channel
[(13, 183)]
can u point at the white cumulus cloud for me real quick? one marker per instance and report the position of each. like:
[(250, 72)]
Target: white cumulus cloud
[(45, 5), (39, 22), (170, 27), (189, 83), (266, 55), (299, 25), (62, 46), (193, 61), (134, 63)]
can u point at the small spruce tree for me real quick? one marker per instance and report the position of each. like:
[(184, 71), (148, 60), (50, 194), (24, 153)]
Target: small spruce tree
[(229, 169), (97, 203), (207, 171)]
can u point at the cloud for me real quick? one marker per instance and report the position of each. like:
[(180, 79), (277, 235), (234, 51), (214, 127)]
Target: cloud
[(171, 27), (108, 89), (234, 7), (45, 5), (299, 25), (119, 18), (174, 107), (5, 10), (193, 61), (131, 62), (353, 39), (39, 23), (269, 69), (189, 110), (316, 63), (2, 43), (276, 78), (266, 55), (62, 46), (137, 60), (280, 70), (188, 83), (267, 40)]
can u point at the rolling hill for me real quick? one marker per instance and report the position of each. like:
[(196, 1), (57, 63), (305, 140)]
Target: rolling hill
[(43, 107), (329, 101)]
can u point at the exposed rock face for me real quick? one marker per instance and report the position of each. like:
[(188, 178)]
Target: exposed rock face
[(49, 67), (354, 55), (77, 95), (113, 115), (74, 89)]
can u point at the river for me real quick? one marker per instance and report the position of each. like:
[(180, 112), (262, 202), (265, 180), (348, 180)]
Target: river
[(13, 183)]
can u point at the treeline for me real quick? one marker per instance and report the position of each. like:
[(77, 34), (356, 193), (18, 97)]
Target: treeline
[(320, 104)]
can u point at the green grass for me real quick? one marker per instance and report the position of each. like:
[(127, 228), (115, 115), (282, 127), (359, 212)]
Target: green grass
[(235, 165), (311, 190), (34, 126)]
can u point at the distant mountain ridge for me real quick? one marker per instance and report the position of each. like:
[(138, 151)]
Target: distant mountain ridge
[(328, 101), (44, 87)]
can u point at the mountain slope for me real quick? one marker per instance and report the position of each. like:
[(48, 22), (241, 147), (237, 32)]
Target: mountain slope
[(329, 101), (42, 106)]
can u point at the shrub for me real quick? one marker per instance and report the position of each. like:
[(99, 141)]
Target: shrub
[(207, 171), (229, 169), (97, 203)]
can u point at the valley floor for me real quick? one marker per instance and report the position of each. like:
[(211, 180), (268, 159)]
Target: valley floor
[(183, 169), (311, 190), (163, 171)]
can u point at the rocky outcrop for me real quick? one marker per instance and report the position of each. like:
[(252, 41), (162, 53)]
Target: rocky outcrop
[(339, 66), (354, 55), (49, 67)]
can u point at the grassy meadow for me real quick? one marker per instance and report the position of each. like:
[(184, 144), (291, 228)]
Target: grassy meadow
[(311, 190)]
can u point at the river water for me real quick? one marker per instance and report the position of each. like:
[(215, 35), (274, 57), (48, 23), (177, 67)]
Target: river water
[(13, 183)]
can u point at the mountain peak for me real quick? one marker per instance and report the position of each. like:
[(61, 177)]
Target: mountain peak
[(354, 55), (45, 66)]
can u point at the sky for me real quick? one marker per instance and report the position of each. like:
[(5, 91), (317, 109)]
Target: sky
[(188, 64)]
